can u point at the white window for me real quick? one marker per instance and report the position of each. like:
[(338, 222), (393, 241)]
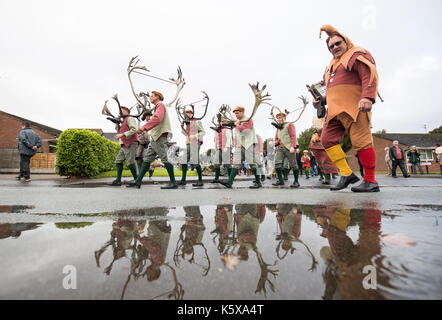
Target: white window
[(426, 155)]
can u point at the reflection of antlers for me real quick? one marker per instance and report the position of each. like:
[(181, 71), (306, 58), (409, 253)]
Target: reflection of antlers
[(177, 292), (179, 82), (287, 251), (314, 262), (282, 238), (264, 274), (259, 98), (178, 252)]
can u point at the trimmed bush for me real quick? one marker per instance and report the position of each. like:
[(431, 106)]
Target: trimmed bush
[(72, 225), (83, 153)]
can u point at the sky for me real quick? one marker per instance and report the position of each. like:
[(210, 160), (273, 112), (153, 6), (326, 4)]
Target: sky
[(60, 60)]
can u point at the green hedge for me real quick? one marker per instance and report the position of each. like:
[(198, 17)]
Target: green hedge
[(83, 153)]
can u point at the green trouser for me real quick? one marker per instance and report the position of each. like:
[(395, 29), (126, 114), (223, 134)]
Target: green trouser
[(285, 172), (192, 153), (221, 158), (279, 174), (280, 177), (232, 175), (243, 154), (156, 148), (307, 171), (119, 171), (128, 154), (131, 167), (282, 156), (145, 167), (198, 170), (327, 177), (217, 173), (296, 174)]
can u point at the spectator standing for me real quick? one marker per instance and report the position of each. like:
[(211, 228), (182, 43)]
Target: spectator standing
[(314, 165), (415, 159), (438, 152), (28, 143), (306, 163), (298, 159), (397, 156), (388, 160)]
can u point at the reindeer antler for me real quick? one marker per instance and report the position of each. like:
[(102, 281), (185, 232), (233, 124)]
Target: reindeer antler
[(287, 112), (182, 108), (179, 82), (133, 67), (259, 98), (264, 277)]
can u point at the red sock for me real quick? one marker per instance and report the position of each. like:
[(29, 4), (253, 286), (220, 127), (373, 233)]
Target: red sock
[(368, 161)]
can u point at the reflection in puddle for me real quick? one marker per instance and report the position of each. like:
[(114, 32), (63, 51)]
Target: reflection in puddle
[(15, 230), (14, 209), (242, 251)]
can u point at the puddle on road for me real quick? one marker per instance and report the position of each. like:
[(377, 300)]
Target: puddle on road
[(14, 209), (242, 251)]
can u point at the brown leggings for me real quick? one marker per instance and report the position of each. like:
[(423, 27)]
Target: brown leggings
[(359, 131)]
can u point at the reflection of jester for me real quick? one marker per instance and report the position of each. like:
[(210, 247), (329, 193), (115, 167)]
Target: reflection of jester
[(248, 217), (191, 235), (289, 219), (224, 227), (326, 166), (345, 260)]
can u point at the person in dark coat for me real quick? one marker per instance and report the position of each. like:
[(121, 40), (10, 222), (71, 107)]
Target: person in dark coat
[(397, 157), (28, 143), (415, 159)]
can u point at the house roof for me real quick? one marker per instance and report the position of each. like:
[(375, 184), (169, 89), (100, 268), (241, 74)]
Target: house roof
[(110, 136), (413, 139), (50, 130)]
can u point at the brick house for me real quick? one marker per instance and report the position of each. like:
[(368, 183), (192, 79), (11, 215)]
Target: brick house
[(43, 161), (424, 142)]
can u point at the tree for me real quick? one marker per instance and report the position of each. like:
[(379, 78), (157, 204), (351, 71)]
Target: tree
[(436, 130), (304, 138), (383, 131), (346, 143)]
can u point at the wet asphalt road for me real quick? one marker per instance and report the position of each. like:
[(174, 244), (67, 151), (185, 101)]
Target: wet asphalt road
[(94, 196), (220, 244)]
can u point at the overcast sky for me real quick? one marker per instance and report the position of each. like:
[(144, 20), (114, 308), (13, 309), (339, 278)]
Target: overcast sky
[(60, 60)]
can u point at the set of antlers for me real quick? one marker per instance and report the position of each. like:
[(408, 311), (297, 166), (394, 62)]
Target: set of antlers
[(223, 116), (273, 116), (181, 109), (142, 98)]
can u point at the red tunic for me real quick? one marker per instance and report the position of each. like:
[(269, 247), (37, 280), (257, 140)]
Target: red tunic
[(127, 141)]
